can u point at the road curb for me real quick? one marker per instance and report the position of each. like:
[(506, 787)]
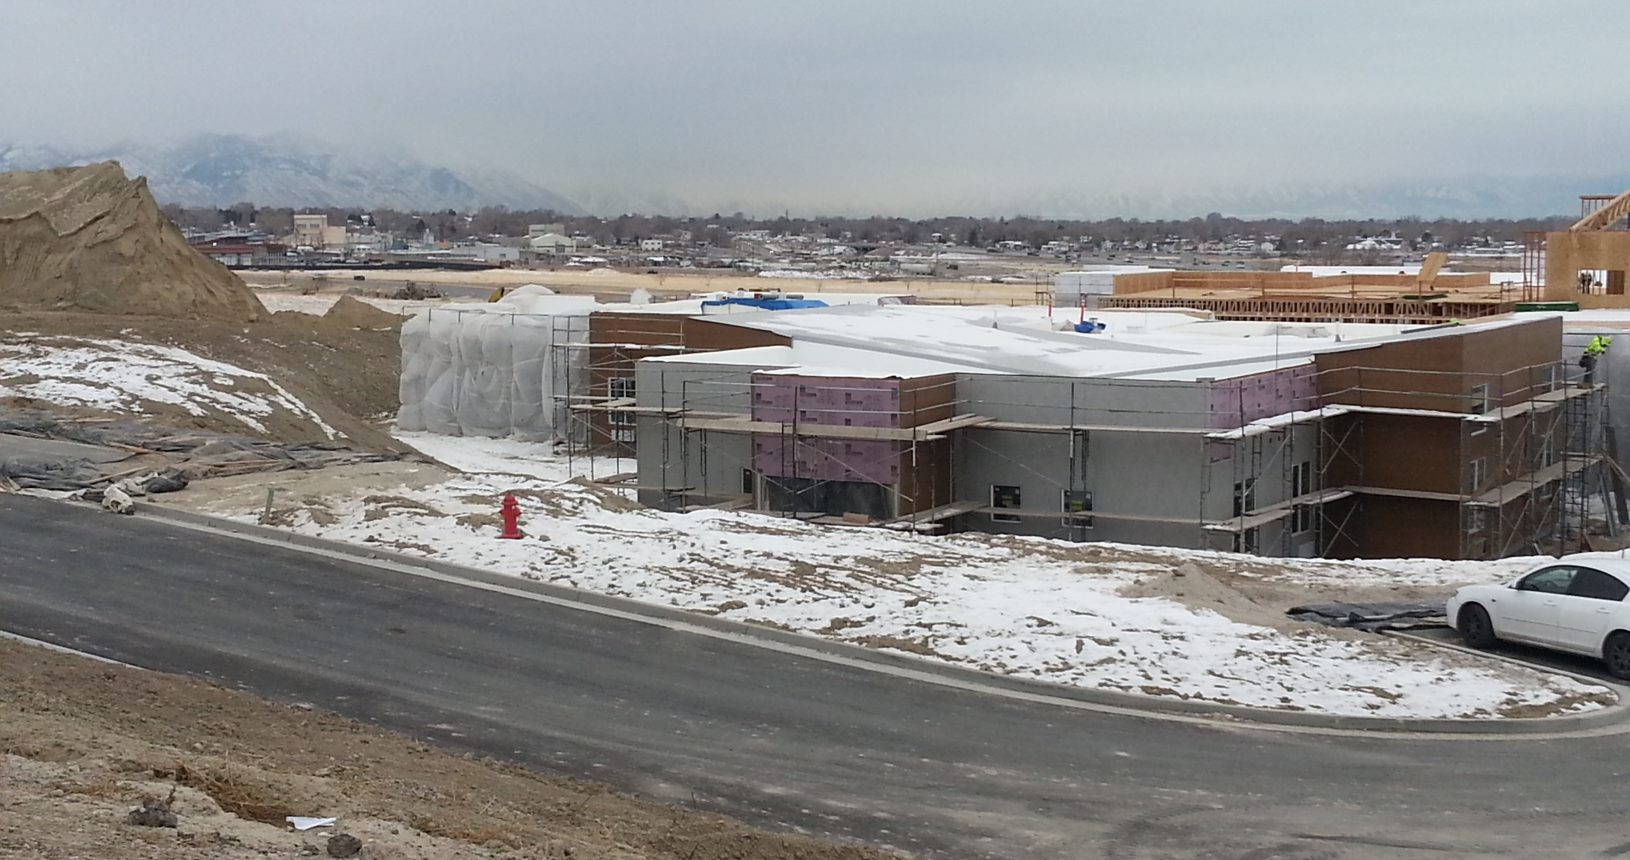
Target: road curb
[(8, 636), (1222, 714), (1618, 690)]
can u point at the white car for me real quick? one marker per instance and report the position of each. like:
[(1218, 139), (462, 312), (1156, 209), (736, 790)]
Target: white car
[(1573, 604)]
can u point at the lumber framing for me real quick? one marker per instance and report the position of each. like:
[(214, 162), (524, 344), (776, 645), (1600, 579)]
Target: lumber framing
[(1396, 310), (1429, 271), (1613, 210)]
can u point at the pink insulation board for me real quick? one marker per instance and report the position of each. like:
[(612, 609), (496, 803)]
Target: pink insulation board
[(1234, 402), (838, 401)]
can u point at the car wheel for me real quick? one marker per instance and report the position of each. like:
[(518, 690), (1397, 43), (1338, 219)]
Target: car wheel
[(1478, 630), (1616, 653)]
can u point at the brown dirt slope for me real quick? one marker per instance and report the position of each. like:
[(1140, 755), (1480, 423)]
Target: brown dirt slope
[(346, 373), (81, 742), (88, 238)]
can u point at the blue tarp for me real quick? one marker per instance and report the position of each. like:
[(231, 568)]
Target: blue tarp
[(765, 304)]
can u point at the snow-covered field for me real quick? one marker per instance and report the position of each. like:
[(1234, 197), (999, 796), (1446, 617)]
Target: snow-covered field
[(1090, 615), (805, 275), (128, 377), (479, 454)]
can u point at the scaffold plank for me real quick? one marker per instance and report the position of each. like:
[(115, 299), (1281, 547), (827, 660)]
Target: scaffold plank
[(1024, 427), (956, 422), (1514, 490), (825, 431)]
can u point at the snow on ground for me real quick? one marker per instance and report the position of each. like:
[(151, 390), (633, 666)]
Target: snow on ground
[(1334, 575), (124, 376), (803, 275), (1033, 608), (510, 457)]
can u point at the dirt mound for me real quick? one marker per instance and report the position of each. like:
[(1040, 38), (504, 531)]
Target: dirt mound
[(346, 374), (88, 238), (1189, 585), (359, 314), (609, 499)]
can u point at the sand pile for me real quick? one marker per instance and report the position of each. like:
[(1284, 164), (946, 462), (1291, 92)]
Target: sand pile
[(89, 239), (359, 314), (1189, 585)]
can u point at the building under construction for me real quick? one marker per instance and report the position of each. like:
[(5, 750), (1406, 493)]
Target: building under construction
[(1291, 413), (1359, 295), (1172, 428), (1585, 264)]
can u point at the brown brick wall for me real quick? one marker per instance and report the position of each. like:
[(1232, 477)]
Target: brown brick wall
[(1401, 452), (629, 337), (925, 473), (1441, 372), (1393, 527), (1434, 454)]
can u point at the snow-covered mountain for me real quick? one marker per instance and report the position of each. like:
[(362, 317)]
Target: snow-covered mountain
[(222, 170), (227, 169), (1466, 197), (1470, 197)]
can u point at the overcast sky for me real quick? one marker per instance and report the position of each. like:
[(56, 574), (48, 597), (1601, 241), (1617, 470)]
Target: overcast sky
[(843, 105)]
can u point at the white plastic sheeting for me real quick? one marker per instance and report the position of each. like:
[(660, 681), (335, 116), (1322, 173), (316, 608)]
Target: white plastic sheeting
[(494, 369)]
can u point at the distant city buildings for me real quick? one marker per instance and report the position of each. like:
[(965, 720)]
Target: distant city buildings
[(1022, 251), (313, 232)]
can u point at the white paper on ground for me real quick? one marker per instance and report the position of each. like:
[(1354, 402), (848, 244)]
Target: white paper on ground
[(306, 822)]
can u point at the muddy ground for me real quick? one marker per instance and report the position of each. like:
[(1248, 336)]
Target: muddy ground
[(81, 743)]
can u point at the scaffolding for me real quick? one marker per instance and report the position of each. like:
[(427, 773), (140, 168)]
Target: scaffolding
[(1533, 265), (933, 433), (597, 389), (1298, 477), (1550, 465)]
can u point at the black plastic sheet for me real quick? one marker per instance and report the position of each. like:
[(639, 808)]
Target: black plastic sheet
[(1372, 616)]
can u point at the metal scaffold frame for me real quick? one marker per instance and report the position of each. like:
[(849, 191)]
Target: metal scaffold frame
[(1545, 449), (1548, 467), (585, 404), (719, 410), (1329, 447), (1255, 453), (719, 407)]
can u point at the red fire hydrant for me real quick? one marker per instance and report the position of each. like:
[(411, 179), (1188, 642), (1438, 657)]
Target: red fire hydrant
[(511, 512)]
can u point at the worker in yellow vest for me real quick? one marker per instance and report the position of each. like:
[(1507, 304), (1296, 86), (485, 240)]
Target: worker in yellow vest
[(1593, 352)]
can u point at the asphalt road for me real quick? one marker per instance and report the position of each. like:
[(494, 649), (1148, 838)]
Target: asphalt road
[(777, 739), (1542, 658)]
